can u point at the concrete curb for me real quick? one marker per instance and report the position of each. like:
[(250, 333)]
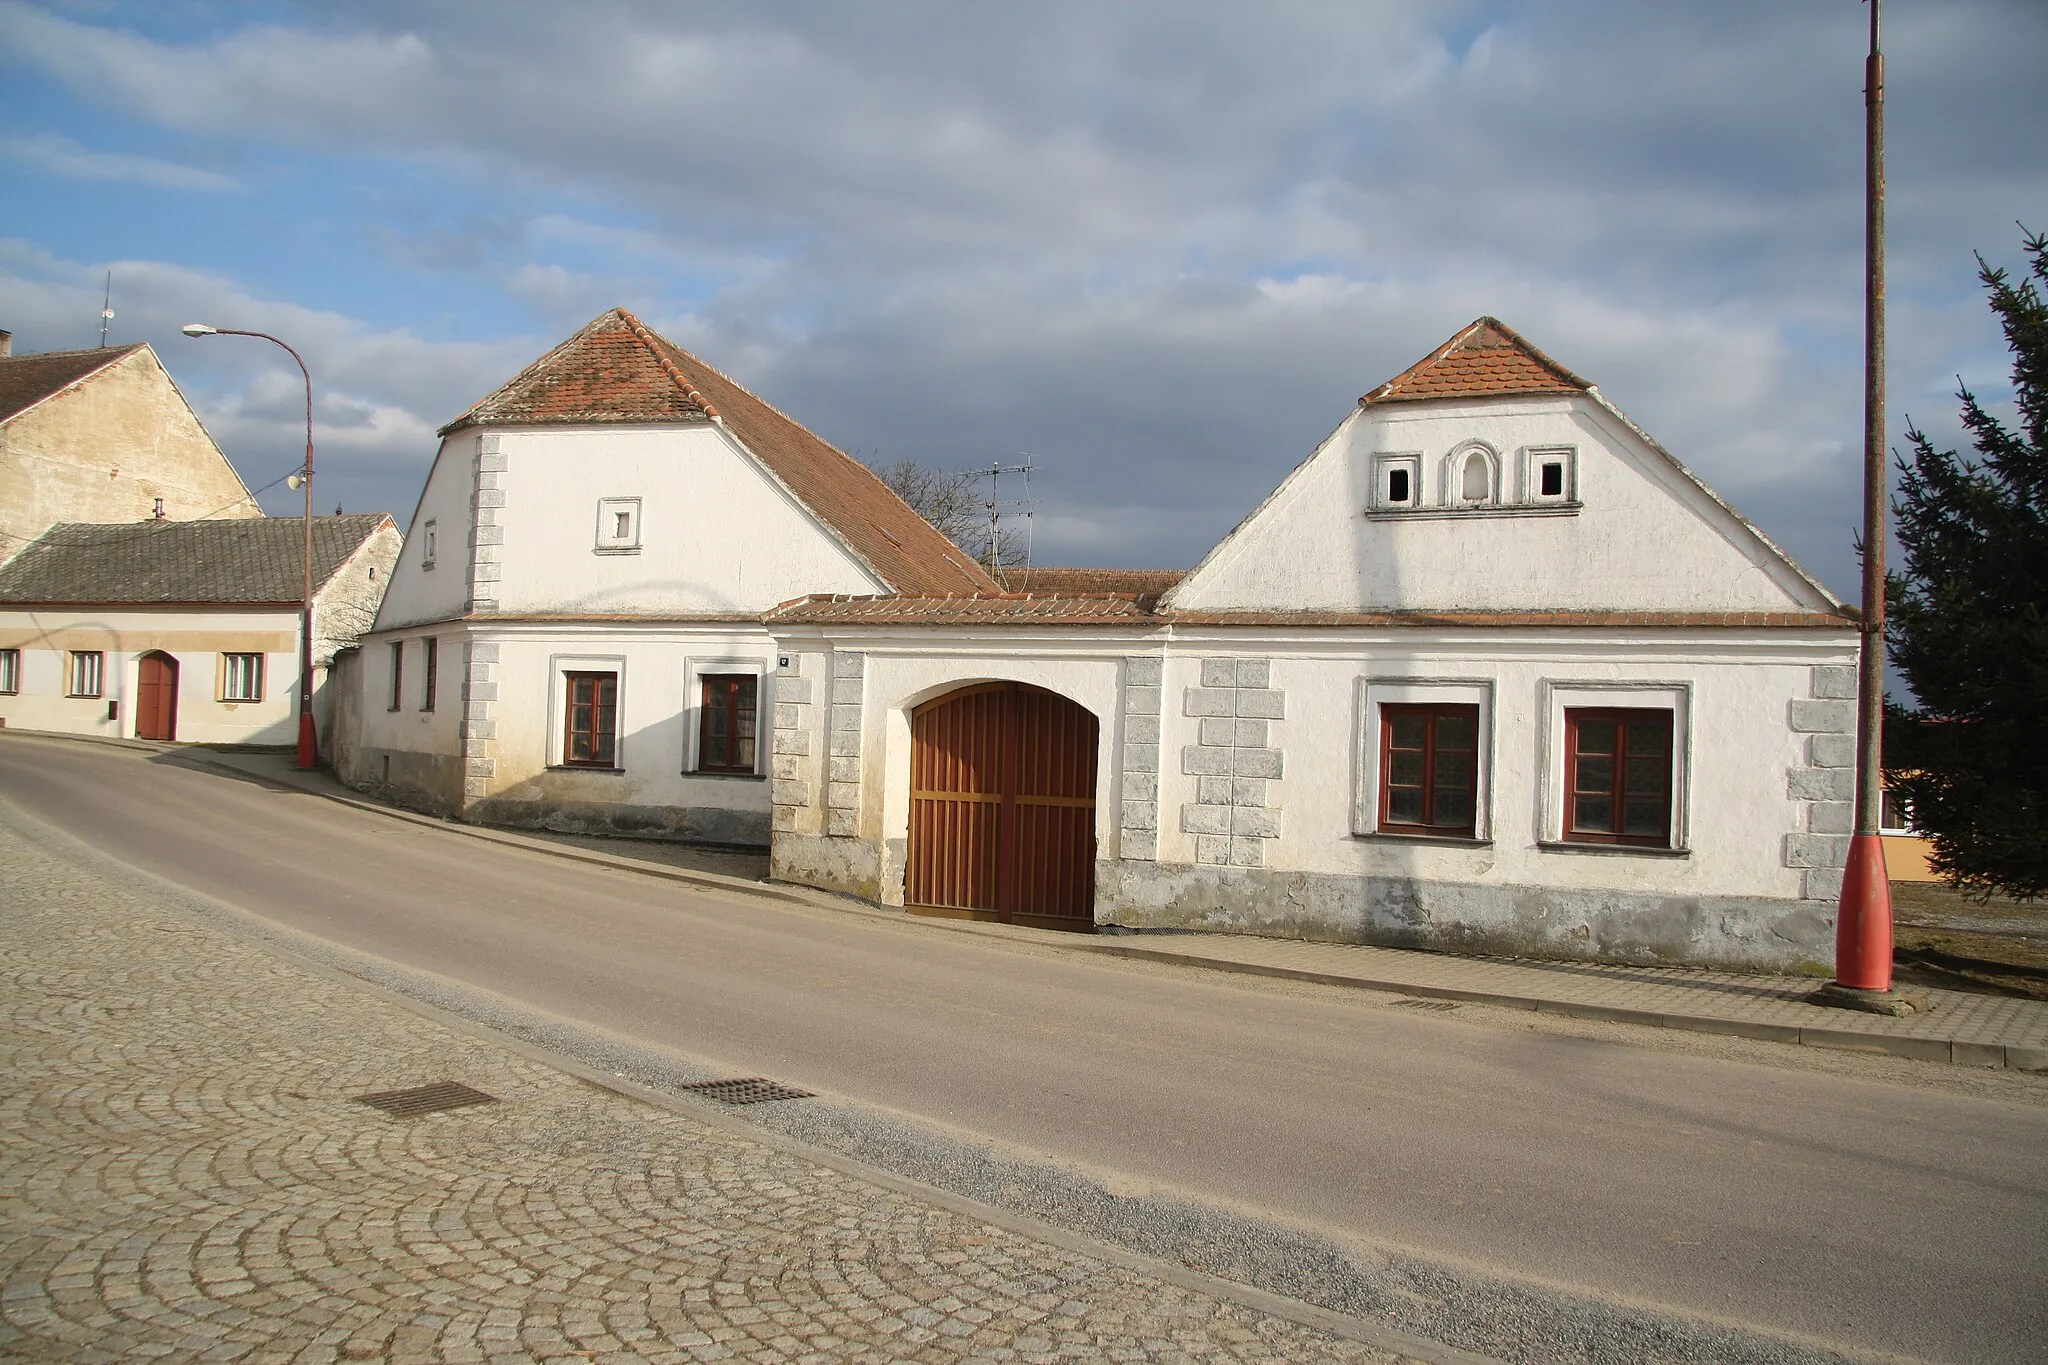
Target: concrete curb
[(1954, 1052)]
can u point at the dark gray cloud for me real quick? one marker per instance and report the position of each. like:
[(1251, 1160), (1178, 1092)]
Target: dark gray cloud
[(1161, 246)]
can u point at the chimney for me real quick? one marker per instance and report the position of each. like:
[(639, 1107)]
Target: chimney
[(159, 509), (6, 345)]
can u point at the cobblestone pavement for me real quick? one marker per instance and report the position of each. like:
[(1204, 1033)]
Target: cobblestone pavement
[(186, 1176)]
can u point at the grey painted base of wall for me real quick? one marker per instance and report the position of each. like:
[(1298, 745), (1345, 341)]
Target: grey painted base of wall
[(1729, 932), (428, 783), (848, 866), (686, 824)]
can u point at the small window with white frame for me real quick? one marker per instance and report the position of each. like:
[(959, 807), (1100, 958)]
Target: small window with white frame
[(430, 538), (241, 677), (10, 672), (726, 698), (82, 678), (1425, 759), (1550, 474), (1396, 482), (1472, 476), (1895, 813), (618, 526)]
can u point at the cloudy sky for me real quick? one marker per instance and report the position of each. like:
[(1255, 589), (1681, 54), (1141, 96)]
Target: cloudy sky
[(1162, 247)]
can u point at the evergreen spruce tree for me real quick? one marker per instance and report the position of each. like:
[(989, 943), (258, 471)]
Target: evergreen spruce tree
[(1968, 622)]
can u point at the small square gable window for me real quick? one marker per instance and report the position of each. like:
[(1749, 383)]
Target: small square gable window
[(618, 525), (1397, 482), (1551, 475)]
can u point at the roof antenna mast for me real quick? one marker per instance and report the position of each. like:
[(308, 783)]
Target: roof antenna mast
[(107, 309), (995, 504)]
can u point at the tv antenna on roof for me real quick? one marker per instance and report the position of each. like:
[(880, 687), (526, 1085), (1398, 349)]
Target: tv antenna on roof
[(107, 308), (996, 503)]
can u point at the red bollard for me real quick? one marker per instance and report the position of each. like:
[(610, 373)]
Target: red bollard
[(1863, 933)]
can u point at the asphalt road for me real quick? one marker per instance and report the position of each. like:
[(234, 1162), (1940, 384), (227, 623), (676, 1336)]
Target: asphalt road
[(1883, 1217)]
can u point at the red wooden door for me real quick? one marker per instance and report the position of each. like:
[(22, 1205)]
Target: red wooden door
[(1002, 807), (156, 698)]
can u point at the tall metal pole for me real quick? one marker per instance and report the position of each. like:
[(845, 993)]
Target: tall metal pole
[(1863, 932), (309, 755)]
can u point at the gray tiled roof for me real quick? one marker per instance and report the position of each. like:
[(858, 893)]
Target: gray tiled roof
[(256, 559)]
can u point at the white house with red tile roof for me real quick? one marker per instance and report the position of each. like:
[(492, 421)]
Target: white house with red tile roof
[(1489, 671), (574, 634)]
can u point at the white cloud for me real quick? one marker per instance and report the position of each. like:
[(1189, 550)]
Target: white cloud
[(62, 156)]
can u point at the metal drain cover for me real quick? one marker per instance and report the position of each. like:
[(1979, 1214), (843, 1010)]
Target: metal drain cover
[(426, 1099), (747, 1090), (1415, 1004)]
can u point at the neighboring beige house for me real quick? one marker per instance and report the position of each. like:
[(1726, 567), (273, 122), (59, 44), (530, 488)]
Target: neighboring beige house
[(182, 630), (103, 436), (1490, 671), (573, 636)]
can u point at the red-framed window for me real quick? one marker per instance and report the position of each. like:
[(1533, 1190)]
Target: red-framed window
[(430, 658), (728, 723), (1429, 769), (1617, 777), (591, 728)]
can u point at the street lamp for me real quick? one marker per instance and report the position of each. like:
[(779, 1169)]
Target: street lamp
[(303, 478)]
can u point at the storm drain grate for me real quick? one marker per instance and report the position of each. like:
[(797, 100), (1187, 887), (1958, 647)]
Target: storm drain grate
[(747, 1090), (1415, 1004), (426, 1099)]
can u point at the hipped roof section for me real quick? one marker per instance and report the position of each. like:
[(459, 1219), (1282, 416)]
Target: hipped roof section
[(1487, 359), (618, 370)]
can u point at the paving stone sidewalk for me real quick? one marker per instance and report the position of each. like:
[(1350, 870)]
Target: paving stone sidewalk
[(186, 1177)]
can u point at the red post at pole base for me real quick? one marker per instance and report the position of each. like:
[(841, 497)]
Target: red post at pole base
[(1863, 932), (1863, 939), (309, 756)]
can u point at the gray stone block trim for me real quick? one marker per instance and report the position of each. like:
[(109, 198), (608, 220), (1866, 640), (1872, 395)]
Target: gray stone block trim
[(846, 717), (1139, 820), (486, 532), (1825, 785), (793, 768), (479, 725), (1232, 761)]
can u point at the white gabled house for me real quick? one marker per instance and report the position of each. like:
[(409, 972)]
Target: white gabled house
[(1490, 671), (574, 634)]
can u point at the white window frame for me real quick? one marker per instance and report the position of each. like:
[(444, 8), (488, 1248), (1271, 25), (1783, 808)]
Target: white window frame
[(608, 512), (1559, 695), (10, 671), (431, 534), (227, 675), (75, 669), (695, 669), (1533, 460), (1373, 693), (560, 666), (1451, 487), (1385, 463)]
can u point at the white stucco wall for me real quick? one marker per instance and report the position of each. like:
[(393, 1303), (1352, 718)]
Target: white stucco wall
[(715, 533), (1643, 538), (196, 638), (418, 594)]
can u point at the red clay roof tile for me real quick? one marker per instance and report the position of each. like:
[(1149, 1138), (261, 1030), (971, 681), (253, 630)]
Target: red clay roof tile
[(1487, 359)]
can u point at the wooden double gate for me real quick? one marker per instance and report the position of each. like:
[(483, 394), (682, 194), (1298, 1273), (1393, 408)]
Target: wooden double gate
[(1002, 808)]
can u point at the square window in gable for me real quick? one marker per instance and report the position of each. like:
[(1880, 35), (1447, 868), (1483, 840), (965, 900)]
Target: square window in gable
[(1396, 482), (618, 526), (1550, 475)]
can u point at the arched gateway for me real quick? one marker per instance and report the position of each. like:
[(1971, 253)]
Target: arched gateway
[(1002, 807)]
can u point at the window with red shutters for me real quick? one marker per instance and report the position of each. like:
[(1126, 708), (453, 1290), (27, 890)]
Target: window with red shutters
[(1429, 769), (1617, 779)]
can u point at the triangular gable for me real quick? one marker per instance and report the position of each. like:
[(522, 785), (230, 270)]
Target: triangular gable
[(619, 370), (1488, 360)]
